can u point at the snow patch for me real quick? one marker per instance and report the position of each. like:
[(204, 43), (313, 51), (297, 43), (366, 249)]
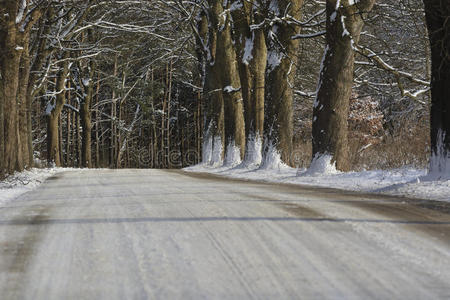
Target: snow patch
[(217, 149), (49, 108), (439, 162), (400, 182), (253, 155), (338, 3), (21, 12), (207, 148), (273, 7), (272, 159), (235, 6), (21, 182), (322, 69), (321, 165), (273, 59), (232, 156), (333, 16), (229, 89), (248, 49), (344, 29)]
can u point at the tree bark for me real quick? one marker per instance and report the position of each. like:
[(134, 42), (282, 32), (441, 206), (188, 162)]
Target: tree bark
[(86, 124), (201, 51), (24, 106), (10, 81), (215, 119), (281, 68), (2, 130), (437, 17), (2, 106), (85, 111), (227, 71), (39, 56), (53, 150), (97, 124), (15, 32), (113, 136), (330, 126), (252, 59)]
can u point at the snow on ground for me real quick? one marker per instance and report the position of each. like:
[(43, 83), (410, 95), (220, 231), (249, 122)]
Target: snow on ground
[(406, 181), (25, 181)]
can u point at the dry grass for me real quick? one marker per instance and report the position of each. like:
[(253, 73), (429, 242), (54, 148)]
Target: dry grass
[(408, 146), (371, 145)]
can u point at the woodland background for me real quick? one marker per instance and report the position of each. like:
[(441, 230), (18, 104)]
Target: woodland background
[(148, 84)]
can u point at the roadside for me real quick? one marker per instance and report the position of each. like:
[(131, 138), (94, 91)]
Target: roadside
[(407, 182), (21, 182)]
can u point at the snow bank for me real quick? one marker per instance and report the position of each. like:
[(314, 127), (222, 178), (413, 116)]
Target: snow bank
[(232, 156), (439, 162), (272, 160), (25, 181), (217, 149), (208, 148), (321, 165), (253, 155), (402, 182)]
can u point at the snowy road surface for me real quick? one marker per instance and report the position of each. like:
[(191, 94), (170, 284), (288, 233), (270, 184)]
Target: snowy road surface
[(149, 234)]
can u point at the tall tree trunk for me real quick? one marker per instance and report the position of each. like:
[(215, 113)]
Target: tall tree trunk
[(214, 137), (24, 106), (39, 54), (113, 135), (10, 81), (227, 71), (169, 100), (85, 115), (243, 41), (252, 59), (68, 133), (53, 115), (85, 112), (330, 126), (2, 130), (281, 69), (97, 124), (201, 51), (14, 37), (438, 16)]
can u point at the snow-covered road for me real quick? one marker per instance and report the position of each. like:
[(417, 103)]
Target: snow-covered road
[(153, 234)]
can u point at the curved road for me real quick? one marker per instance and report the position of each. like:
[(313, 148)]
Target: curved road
[(153, 234)]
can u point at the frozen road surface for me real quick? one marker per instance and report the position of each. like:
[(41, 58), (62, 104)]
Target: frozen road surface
[(151, 234)]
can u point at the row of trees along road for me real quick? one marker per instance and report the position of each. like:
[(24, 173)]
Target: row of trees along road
[(156, 83)]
